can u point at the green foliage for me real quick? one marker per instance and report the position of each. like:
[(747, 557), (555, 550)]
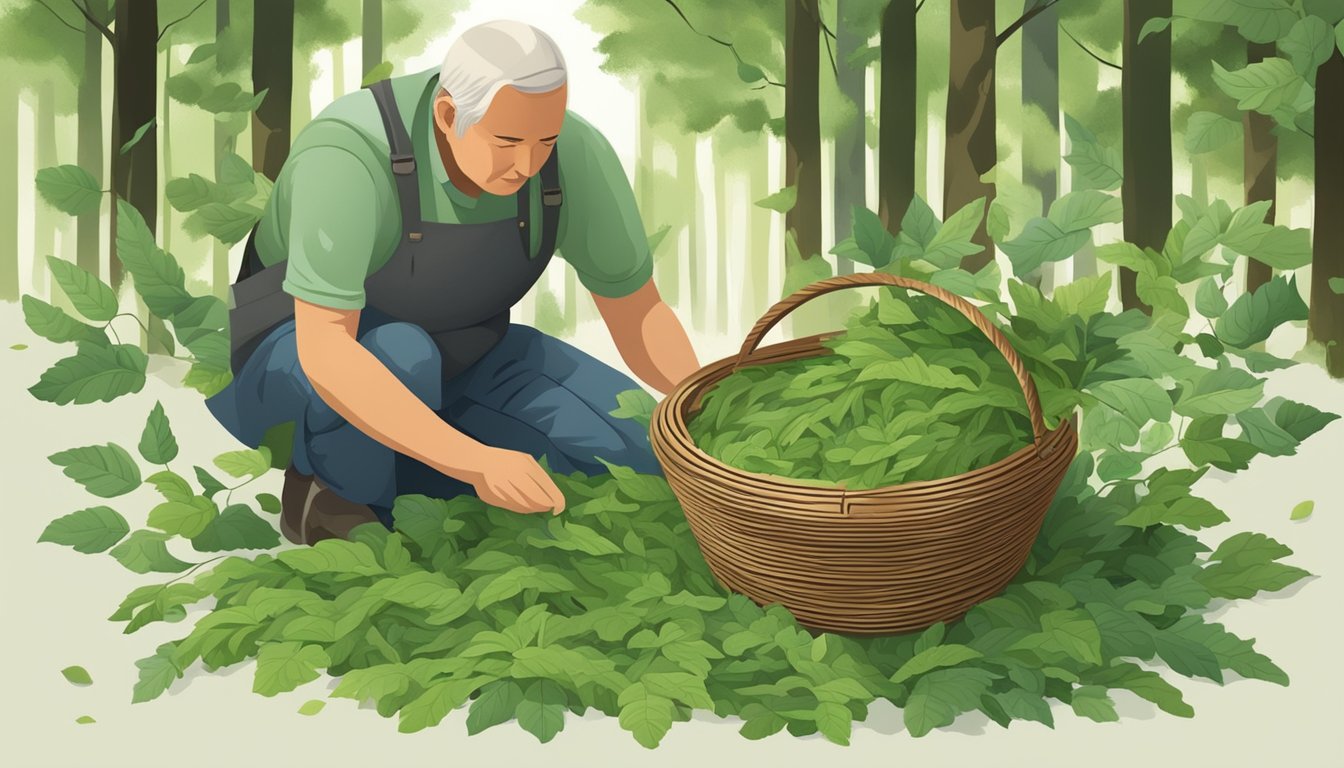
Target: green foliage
[(1094, 166), (104, 470), (90, 296), (84, 720), (635, 404), (88, 530), (1303, 510), (138, 135), (157, 444), (225, 209), (781, 201), (1208, 131), (77, 675), (69, 188), (1067, 228)]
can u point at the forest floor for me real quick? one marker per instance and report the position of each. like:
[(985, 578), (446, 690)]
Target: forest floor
[(56, 602)]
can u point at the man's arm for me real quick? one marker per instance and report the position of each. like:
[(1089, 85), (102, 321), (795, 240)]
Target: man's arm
[(650, 338)]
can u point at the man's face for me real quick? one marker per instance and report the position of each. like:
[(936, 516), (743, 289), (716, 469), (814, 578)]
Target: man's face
[(510, 142)]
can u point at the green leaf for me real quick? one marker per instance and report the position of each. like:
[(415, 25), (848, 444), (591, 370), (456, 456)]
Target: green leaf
[(1337, 284), (253, 462), (201, 53), (1154, 26), (380, 72), (1263, 86), (1141, 400), (435, 703), (1303, 510), (1042, 242), (230, 223), (749, 73), (104, 470), (55, 325), (89, 295), (1091, 701), (781, 201), (835, 721), (157, 444), (333, 556), (933, 658), (1298, 419), (496, 704), (77, 675), (157, 672), (1085, 209), (953, 240), (139, 134), (1220, 391), (636, 404), (1254, 316), (96, 372), (941, 695), (193, 191), (157, 276), (804, 272), (270, 503), (285, 666), (542, 710), (87, 530), (916, 371), (70, 189), (646, 715), (1209, 299), (84, 720), (1269, 438), (185, 518), (209, 485), (656, 238), (1309, 44), (145, 550), (312, 707), (1085, 297), (1208, 131), (1094, 166), (870, 244)]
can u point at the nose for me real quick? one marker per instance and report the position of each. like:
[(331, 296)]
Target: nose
[(529, 159)]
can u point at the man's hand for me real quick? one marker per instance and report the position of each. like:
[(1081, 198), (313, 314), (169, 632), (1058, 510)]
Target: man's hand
[(515, 481)]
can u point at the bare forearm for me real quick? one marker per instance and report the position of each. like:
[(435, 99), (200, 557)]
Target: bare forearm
[(659, 351), (360, 388)]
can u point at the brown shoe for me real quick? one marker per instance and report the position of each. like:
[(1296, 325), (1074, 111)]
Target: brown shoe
[(311, 512)]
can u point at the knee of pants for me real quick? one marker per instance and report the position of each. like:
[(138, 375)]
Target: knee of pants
[(409, 353)]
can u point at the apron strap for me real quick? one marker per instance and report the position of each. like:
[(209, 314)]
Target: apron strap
[(551, 200), (402, 155)]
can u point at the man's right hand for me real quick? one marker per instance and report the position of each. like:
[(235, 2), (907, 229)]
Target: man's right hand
[(515, 481)]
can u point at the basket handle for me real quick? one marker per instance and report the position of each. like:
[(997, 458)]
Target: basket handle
[(808, 292)]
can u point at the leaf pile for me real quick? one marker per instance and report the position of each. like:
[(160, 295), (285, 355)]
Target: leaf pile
[(612, 607), (911, 392)]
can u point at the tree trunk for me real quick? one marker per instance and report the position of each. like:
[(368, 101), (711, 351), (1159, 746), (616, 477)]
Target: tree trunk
[(272, 70), (1261, 153), (721, 166), (44, 227), (970, 149), (687, 181), (802, 125), (1040, 89), (135, 173), (896, 129), (1145, 92), (220, 279), (372, 41), (165, 120), (337, 72), (850, 148), (759, 244), (89, 153), (9, 190), (1326, 322)]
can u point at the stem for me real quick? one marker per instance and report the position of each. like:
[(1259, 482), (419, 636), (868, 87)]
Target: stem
[(228, 497)]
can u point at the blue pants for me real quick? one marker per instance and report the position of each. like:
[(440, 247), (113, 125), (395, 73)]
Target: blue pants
[(532, 393)]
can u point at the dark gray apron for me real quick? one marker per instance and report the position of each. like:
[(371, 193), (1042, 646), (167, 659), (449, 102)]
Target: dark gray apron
[(457, 281)]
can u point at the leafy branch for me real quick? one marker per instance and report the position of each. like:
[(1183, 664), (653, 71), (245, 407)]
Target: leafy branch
[(1087, 50), (726, 44)]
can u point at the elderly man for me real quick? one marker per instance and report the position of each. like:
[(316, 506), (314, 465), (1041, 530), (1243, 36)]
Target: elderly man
[(372, 306)]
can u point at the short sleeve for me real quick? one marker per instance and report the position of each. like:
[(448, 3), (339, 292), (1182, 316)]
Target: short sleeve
[(602, 235), (332, 227)]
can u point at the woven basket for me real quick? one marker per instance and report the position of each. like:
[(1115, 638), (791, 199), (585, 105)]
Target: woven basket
[(865, 562)]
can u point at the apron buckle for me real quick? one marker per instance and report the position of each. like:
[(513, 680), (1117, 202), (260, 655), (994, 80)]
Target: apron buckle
[(403, 165), (551, 197)]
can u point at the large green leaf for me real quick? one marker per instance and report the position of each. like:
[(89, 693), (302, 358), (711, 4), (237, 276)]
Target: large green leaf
[(158, 278), (781, 201), (542, 710), (185, 518), (1263, 86), (54, 324), (497, 704), (92, 297), (1208, 131), (1141, 400), (1221, 391), (157, 444), (70, 189), (941, 695), (237, 527), (646, 715), (90, 530), (97, 371), (1253, 316), (285, 666), (1309, 44), (145, 550), (1085, 209), (104, 470)]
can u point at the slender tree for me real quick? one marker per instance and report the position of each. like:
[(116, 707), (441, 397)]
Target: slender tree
[(896, 126), (371, 44), (1261, 153), (1040, 91), (1146, 113), (802, 125), (9, 190), (273, 72), (850, 146), (1326, 321), (89, 149)]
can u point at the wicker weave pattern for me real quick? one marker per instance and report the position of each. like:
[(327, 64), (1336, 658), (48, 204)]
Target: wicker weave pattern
[(879, 561)]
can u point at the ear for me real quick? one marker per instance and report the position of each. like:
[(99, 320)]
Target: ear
[(444, 112)]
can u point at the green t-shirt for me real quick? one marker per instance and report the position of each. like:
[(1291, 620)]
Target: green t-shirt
[(334, 211)]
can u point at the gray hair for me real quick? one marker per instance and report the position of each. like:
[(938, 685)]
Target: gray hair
[(488, 57)]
